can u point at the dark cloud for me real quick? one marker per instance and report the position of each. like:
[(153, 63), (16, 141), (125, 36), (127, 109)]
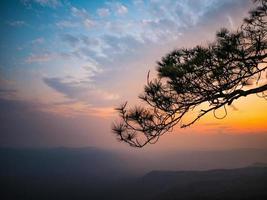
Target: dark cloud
[(68, 89), (81, 90)]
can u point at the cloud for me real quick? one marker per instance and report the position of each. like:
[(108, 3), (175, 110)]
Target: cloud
[(120, 44), (66, 24), (81, 90), (117, 8), (40, 58), (90, 41), (138, 2), (70, 39), (43, 3), (70, 89), (8, 88), (88, 23), (121, 9), (18, 23), (49, 3), (107, 48), (103, 12), (7, 93), (160, 30), (83, 15), (40, 40)]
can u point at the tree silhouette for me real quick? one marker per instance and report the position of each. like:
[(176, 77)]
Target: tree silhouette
[(216, 75)]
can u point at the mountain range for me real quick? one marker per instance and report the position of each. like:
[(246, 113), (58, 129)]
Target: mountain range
[(91, 173)]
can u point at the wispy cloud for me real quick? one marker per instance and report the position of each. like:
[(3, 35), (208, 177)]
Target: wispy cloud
[(43, 3), (103, 12), (121, 9), (88, 23), (7, 88), (70, 39), (39, 40), (83, 15), (17, 23), (40, 58), (66, 24)]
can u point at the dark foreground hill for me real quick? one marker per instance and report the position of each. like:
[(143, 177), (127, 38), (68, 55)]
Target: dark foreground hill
[(99, 175)]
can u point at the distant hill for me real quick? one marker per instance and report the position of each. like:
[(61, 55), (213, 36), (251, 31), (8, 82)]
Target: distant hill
[(242, 183), (91, 173), (59, 173), (259, 164), (90, 162)]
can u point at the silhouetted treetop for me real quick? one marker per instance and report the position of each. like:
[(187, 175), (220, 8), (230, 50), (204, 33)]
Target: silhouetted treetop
[(229, 68)]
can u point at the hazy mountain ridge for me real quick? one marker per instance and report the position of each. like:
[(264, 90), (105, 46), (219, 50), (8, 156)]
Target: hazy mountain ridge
[(91, 173), (241, 183), (88, 162)]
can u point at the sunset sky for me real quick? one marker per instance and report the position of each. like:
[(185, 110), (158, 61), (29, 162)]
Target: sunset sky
[(65, 65)]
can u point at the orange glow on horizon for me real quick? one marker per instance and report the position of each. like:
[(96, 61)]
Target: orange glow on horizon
[(248, 116)]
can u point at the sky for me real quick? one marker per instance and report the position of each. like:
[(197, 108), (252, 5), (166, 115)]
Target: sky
[(65, 65)]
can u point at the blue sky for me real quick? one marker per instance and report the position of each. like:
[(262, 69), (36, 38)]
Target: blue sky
[(82, 58), (75, 45)]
